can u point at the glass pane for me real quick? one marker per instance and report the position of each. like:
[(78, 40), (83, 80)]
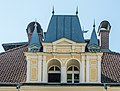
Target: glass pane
[(76, 78), (70, 69), (69, 78), (56, 68), (52, 68), (76, 69)]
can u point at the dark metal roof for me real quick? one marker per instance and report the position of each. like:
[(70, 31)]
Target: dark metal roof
[(93, 40), (64, 26), (8, 46), (30, 27), (35, 38)]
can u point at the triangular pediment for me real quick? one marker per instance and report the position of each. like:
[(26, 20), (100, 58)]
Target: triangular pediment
[(64, 41)]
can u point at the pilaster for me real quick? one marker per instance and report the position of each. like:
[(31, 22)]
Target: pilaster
[(82, 69), (45, 78), (39, 68), (99, 69), (63, 74), (87, 69), (28, 69)]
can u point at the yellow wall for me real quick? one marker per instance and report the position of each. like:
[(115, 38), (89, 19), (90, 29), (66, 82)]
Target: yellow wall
[(65, 50), (8, 88), (33, 69), (62, 88), (117, 88)]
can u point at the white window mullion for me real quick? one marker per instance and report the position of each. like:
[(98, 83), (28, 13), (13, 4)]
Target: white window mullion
[(72, 77)]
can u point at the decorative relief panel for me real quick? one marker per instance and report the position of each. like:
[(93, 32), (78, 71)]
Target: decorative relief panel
[(33, 72), (33, 62), (93, 62), (49, 50), (33, 69), (77, 50), (93, 74), (63, 61)]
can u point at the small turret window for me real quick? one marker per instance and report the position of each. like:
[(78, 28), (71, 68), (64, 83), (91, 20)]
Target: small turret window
[(34, 50)]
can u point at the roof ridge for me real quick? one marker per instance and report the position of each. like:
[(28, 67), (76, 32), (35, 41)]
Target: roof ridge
[(13, 43), (113, 53), (16, 48)]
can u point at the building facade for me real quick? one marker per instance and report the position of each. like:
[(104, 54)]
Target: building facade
[(61, 59)]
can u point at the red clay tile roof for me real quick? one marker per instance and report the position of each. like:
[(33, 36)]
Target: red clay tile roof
[(13, 65), (110, 67)]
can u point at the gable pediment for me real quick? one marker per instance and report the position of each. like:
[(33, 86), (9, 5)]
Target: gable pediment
[(63, 41)]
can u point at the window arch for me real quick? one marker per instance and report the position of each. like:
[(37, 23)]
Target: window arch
[(73, 74), (73, 70), (54, 71)]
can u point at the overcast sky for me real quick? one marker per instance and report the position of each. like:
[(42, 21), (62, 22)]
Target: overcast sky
[(15, 15)]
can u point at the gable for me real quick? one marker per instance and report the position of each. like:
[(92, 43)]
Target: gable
[(63, 41)]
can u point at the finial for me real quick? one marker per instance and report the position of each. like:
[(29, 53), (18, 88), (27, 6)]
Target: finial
[(77, 10), (53, 10), (94, 23), (35, 22)]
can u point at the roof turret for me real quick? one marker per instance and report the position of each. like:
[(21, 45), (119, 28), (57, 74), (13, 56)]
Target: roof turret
[(93, 39), (93, 45), (35, 43)]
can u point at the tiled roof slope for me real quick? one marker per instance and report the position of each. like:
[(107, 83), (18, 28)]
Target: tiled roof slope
[(110, 67), (13, 65)]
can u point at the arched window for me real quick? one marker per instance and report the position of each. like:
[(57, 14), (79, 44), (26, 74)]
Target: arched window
[(54, 69), (73, 74), (54, 74)]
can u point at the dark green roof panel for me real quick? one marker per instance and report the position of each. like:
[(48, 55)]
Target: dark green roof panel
[(64, 26)]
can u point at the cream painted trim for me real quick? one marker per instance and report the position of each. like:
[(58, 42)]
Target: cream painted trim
[(83, 69), (99, 69), (28, 71), (87, 69), (63, 39), (80, 73), (55, 59), (44, 48), (63, 74), (93, 53), (72, 59), (39, 68), (45, 75), (83, 48)]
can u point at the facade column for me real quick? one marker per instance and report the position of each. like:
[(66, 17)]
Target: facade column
[(28, 70), (63, 74), (82, 69), (83, 49), (54, 48), (87, 69), (99, 69), (73, 48), (39, 68), (45, 75)]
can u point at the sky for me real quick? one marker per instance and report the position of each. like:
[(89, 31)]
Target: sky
[(15, 15)]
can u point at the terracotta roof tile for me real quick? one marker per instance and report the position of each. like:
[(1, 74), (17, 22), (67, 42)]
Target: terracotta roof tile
[(13, 65), (110, 65)]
